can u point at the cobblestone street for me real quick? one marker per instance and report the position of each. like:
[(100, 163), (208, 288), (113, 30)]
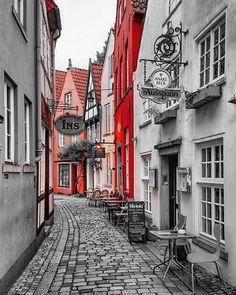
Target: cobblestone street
[(86, 254)]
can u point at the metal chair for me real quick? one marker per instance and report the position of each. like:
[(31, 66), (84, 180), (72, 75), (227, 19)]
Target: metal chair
[(89, 196), (195, 258)]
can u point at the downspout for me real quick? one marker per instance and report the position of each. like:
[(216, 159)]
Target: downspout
[(38, 111)]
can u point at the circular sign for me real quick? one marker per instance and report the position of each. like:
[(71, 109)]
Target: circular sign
[(69, 124), (161, 79)]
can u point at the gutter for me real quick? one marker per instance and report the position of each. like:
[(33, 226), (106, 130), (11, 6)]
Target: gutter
[(38, 111)]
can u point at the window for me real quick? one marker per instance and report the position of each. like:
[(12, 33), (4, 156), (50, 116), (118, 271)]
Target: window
[(98, 132), (73, 138), (89, 133), (212, 55), (147, 109), (61, 140), (111, 65), (173, 4), (127, 157), (212, 189), (109, 171), (9, 97), (27, 131), (68, 99), (174, 74), (147, 195), (20, 9), (64, 175), (126, 67), (107, 118), (93, 133)]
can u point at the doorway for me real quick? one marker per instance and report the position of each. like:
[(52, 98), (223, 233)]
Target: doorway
[(173, 203)]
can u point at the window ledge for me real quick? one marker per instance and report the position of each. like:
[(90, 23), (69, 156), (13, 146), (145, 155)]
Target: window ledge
[(146, 123), (210, 246), (166, 116), (11, 168), (29, 168), (19, 24)]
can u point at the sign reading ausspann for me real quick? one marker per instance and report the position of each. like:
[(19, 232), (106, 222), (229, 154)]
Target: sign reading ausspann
[(69, 124)]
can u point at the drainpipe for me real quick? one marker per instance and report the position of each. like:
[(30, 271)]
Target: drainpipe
[(38, 111)]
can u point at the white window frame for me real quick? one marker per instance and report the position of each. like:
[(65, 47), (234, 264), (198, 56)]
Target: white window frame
[(206, 69), (27, 131), (209, 184), (147, 109), (172, 4), (107, 117), (73, 139), (68, 99), (61, 139), (146, 189), (20, 9), (61, 179), (9, 99)]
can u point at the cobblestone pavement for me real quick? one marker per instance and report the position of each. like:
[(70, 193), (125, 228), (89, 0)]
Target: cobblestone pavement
[(86, 254)]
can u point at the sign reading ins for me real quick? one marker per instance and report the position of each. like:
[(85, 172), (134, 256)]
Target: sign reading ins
[(69, 124)]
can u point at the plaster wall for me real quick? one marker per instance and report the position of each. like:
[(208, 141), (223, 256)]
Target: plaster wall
[(17, 188)]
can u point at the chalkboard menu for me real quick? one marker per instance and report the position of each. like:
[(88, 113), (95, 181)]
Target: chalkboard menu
[(136, 221)]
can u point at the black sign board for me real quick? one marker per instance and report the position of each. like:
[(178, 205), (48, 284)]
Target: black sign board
[(136, 221), (100, 152)]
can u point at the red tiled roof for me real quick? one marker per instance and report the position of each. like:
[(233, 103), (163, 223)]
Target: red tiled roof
[(60, 80), (80, 77), (97, 73)]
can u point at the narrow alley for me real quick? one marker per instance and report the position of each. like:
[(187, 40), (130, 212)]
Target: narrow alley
[(85, 254)]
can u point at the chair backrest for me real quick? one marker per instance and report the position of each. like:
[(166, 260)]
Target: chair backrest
[(97, 193), (181, 223), (217, 231), (105, 192)]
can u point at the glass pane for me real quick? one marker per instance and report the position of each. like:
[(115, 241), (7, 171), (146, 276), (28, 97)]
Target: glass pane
[(222, 214), (217, 195), (203, 170), (208, 60), (217, 213), (8, 147), (209, 154), (203, 155), (201, 79), (215, 70), (207, 76), (209, 170), (8, 122), (217, 170), (204, 225), (222, 231), (203, 48), (222, 196), (222, 152), (208, 194), (222, 170), (204, 209), (208, 43), (222, 31), (209, 210), (204, 194), (202, 64), (216, 53), (217, 153), (222, 49), (216, 36), (209, 230), (222, 66)]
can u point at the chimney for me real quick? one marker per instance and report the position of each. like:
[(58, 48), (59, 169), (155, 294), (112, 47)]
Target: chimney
[(69, 64)]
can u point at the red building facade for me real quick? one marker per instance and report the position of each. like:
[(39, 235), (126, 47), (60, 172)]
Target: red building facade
[(68, 177), (128, 30)]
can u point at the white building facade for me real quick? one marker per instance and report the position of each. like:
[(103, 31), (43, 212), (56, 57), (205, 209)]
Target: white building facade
[(107, 123), (190, 143)]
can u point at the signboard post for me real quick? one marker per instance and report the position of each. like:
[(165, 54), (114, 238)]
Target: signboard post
[(136, 221)]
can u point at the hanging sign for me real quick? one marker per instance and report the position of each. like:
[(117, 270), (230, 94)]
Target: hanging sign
[(100, 152), (159, 96), (69, 124), (161, 79)]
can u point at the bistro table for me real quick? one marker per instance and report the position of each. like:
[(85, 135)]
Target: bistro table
[(171, 236), (113, 205)]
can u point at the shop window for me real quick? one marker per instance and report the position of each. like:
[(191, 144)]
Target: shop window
[(64, 175), (212, 55)]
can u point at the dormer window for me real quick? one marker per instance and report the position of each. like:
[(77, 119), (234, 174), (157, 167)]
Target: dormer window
[(68, 99)]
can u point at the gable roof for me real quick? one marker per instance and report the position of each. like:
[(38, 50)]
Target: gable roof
[(96, 74), (80, 77), (60, 77)]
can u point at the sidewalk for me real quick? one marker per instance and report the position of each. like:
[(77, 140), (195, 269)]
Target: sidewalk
[(86, 254)]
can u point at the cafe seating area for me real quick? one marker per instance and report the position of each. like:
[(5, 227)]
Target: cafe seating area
[(115, 208)]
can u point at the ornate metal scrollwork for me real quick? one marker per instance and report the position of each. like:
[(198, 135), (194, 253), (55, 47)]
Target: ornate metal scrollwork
[(141, 4), (168, 47)]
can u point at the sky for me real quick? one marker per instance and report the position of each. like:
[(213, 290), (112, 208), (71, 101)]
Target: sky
[(85, 27)]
